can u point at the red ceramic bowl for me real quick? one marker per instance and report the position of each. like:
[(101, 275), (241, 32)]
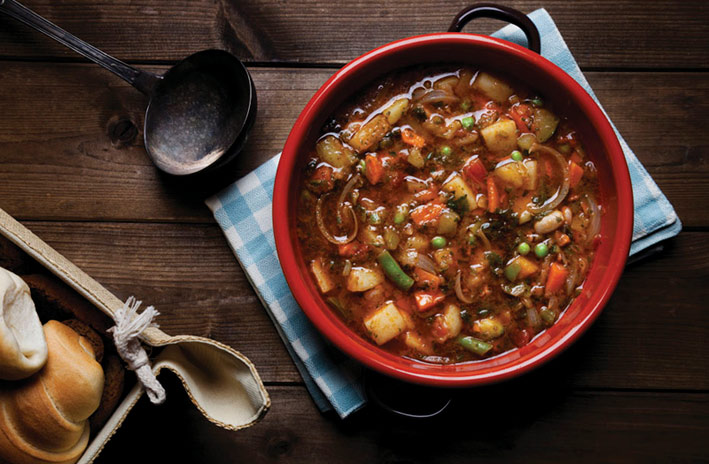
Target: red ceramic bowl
[(568, 99)]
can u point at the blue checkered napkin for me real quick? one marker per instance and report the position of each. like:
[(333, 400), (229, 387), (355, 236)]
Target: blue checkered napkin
[(654, 219), (243, 210)]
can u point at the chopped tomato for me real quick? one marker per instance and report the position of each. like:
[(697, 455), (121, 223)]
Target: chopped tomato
[(427, 213), (374, 169), (520, 114), (428, 299), (321, 180), (474, 170), (520, 337), (426, 195), (354, 248)]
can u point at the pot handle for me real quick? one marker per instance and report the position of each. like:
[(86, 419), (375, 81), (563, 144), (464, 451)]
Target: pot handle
[(504, 13), (403, 399)]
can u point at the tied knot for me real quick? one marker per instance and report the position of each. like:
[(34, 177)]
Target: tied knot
[(129, 326)]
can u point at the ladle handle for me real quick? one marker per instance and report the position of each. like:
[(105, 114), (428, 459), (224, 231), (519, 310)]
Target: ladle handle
[(141, 80)]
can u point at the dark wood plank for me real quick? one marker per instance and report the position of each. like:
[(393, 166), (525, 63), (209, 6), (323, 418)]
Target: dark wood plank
[(542, 423), (612, 34), (651, 335), (66, 156)]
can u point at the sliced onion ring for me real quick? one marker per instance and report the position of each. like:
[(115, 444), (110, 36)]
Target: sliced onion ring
[(459, 290), (345, 191), (595, 227), (438, 96), (563, 190), (323, 229), (425, 263)]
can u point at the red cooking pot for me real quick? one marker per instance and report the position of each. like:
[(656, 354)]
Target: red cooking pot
[(569, 99)]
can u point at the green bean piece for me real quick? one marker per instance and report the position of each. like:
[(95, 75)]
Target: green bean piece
[(541, 250), (512, 271), (517, 155), (475, 345), (402, 212), (548, 316), (438, 242), (468, 123), (393, 271)]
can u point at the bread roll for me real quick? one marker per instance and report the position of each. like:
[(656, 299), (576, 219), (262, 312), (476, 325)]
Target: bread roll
[(23, 350), (44, 419)]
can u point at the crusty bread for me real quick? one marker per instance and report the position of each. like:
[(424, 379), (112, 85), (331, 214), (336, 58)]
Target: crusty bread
[(114, 375), (89, 334), (23, 350), (56, 300), (44, 418)]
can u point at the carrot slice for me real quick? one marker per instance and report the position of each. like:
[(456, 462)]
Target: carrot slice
[(493, 196), (556, 279), (575, 174), (426, 279), (409, 137), (374, 169), (426, 213)]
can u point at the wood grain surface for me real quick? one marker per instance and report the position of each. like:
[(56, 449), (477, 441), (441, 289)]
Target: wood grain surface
[(73, 169)]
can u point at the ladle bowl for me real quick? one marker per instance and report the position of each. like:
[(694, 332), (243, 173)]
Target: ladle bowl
[(200, 110)]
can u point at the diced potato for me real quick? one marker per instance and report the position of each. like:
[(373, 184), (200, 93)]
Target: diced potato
[(417, 242), (446, 83), (545, 123), (526, 267), (488, 328), (518, 174), (386, 323), (492, 87), (501, 137), (532, 177), (416, 343), (511, 173), (448, 223), (453, 320), (331, 150), (361, 279), (526, 140), (322, 275), (443, 258), (460, 188), (371, 133), (394, 112), (415, 158)]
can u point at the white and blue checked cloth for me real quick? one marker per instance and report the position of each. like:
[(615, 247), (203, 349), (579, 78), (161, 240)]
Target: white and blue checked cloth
[(243, 210)]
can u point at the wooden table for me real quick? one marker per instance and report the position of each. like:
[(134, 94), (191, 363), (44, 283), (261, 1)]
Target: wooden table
[(73, 169)]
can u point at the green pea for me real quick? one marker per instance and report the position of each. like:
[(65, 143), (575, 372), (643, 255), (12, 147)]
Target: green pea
[(523, 248), (446, 150), (466, 105), (536, 101), (541, 250), (516, 155), (468, 123), (374, 218), (438, 242)]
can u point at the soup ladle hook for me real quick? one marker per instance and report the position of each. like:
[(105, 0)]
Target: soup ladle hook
[(199, 112)]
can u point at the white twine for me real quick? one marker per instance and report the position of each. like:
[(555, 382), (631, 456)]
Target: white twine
[(129, 326)]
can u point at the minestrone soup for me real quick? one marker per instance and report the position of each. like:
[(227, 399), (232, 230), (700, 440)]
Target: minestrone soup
[(448, 215)]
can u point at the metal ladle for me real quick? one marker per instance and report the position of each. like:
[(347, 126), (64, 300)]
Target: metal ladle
[(200, 110)]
